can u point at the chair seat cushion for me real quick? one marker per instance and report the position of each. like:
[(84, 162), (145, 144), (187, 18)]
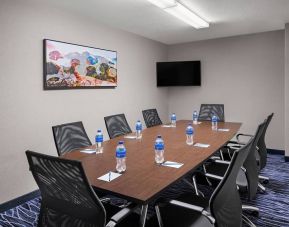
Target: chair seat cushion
[(173, 216), (220, 169), (242, 181), (217, 169)]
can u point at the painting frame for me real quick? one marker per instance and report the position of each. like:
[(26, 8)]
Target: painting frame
[(90, 69)]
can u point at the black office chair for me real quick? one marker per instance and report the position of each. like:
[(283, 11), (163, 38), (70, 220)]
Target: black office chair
[(247, 179), (70, 136), (67, 198), (250, 182), (117, 125), (224, 208), (261, 155), (151, 118), (208, 110), (262, 149)]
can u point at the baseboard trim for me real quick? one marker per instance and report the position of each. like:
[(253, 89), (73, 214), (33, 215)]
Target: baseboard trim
[(275, 151), (286, 158), (18, 201)]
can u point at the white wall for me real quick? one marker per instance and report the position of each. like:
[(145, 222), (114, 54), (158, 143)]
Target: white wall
[(286, 86), (27, 112), (246, 73)]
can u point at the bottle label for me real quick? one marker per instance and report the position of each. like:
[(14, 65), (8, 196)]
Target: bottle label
[(120, 153), (99, 138), (195, 116), (138, 127), (214, 119), (173, 117), (189, 131), (159, 146)]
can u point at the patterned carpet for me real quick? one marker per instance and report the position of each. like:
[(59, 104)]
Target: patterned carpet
[(274, 204)]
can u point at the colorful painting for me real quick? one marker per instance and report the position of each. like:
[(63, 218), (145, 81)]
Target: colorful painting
[(70, 66)]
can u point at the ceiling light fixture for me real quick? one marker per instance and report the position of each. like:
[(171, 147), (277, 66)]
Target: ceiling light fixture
[(163, 3), (181, 12)]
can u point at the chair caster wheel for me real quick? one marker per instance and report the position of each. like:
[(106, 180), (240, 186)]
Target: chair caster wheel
[(265, 181)]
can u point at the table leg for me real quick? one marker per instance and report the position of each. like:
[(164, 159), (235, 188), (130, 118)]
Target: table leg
[(143, 215)]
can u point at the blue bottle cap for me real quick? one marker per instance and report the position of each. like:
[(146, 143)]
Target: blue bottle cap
[(159, 136), (121, 142), (98, 130)]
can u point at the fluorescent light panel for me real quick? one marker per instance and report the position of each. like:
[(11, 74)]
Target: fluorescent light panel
[(187, 16), (163, 3), (181, 12)]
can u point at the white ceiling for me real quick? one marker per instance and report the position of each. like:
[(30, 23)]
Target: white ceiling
[(226, 17)]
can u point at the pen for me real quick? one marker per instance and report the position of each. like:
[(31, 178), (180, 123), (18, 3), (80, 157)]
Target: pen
[(109, 176)]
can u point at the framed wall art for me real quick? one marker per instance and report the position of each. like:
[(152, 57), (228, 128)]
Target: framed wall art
[(72, 66)]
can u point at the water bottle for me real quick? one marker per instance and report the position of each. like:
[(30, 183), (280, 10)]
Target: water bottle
[(120, 155), (159, 150), (195, 118), (190, 134), (173, 120), (138, 128), (98, 142), (214, 123)]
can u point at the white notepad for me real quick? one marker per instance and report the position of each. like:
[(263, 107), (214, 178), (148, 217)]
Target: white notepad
[(109, 176), (223, 129), (203, 145), (172, 164), (167, 126), (88, 151), (129, 137)]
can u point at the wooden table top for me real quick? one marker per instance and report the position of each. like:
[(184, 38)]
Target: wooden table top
[(143, 179)]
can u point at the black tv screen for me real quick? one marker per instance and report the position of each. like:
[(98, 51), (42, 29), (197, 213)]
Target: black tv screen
[(180, 73)]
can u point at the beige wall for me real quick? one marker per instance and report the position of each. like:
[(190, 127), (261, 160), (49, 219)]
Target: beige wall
[(246, 73), (27, 112), (286, 85)]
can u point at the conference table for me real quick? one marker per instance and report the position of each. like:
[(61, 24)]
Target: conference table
[(144, 180)]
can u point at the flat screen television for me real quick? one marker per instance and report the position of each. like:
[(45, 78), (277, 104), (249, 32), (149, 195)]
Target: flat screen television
[(179, 73)]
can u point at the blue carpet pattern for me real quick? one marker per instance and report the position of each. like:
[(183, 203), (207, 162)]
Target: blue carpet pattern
[(274, 204), (21, 216)]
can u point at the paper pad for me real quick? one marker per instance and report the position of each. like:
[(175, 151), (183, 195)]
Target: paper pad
[(129, 137), (172, 164), (223, 129), (88, 151), (201, 145), (167, 126), (109, 176)]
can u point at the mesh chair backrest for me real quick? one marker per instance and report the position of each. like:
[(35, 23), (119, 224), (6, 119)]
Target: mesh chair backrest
[(208, 110), (67, 197), (151, 117), (250, 164), (116, 125), (262, 145), (225, 202), (71, 136)]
